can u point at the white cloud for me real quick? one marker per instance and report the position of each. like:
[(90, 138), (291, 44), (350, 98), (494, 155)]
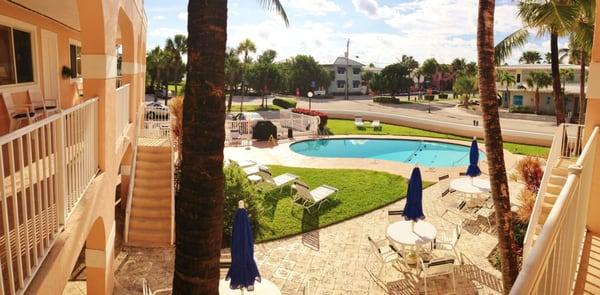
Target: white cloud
[(158, 17), (348, 24), (313, 7), (165, 32), (372, 9), (182, 15)]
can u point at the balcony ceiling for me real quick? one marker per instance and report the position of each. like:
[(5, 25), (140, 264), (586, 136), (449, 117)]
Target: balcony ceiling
[(63, 11)]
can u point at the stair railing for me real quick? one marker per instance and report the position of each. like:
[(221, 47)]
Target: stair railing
[(138, 127)]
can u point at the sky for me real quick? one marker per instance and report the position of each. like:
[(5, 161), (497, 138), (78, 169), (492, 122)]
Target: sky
[(380, 31)]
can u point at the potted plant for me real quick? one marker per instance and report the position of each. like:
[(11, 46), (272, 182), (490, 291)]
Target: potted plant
[(68, 73)]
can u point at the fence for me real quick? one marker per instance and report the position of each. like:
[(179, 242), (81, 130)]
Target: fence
[(46, 168), (122, 109)]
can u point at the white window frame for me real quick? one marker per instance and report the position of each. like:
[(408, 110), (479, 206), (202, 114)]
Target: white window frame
[(78, 44), (32, 30)]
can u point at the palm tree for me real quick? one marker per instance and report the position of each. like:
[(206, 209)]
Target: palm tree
[(538, 80), (233, 68), (200, 193), (530, 57), (244, 48), (566, 75), (506, 78), (493, 142), (552, 17), (548, 58), (367, 76), (155, 64)]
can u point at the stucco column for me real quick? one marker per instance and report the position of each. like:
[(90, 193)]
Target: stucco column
[(592, 119), (99, 260)]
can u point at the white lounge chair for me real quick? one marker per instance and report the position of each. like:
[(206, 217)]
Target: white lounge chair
[(40, 104), (438, 267), (358, 122), (18, 113), (278, 181), (376, 125), (243, 163), (306, 198)]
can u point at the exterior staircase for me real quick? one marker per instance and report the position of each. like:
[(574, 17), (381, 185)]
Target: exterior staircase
[(150, 216)]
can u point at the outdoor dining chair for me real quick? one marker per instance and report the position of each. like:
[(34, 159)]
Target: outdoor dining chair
[(41, 104), (436, 268), (386, 255), (448, 238), (18, 113), (395, 216)]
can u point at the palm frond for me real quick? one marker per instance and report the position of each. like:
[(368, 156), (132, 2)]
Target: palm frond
[(504, 48), (275, 5)]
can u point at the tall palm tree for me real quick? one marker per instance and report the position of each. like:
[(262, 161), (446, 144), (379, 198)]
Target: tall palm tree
[(506, 79), (538, 80), (245, 48), (565, 76), (367, 76), (530, 57), (233, 70), (548, 17), (155, 64), (200, 193), (493, 142), (548, 58)]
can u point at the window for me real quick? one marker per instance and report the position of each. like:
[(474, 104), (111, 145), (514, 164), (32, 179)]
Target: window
[(16, 57), (518, 100), (518, 78), (341, 71), (355, 84), (75, 56), (548, 100), (356, 71), (341, 83)]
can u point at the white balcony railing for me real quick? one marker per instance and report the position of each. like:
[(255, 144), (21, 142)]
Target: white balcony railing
[(551, 266), (122, 109), (46, 168), (156, 123)]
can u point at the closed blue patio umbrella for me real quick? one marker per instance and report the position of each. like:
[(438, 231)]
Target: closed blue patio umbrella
[(473, 170), (243, 271), (413, 210)]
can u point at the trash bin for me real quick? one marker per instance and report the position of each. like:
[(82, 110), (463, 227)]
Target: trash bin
[(290, 133)]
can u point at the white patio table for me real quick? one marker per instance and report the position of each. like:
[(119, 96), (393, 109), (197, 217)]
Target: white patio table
[(471, 186), (265, 287), (411, 238)]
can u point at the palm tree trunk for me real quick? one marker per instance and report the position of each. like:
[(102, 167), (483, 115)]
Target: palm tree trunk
[(537, 101), (556, 87), (507, 97), (582, 99), (230, 100), (199, 201), (493, 142)]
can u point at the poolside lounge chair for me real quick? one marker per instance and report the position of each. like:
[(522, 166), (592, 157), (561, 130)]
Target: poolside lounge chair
[(306, 198), (358, 122), (386, 255), (18, 113), (278, 181), (40, 104), (243, 163), (438, 267), (376, 125)]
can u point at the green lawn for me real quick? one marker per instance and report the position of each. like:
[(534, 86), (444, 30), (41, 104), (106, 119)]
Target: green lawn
[(360, 191), (253, 108), (346, 127)]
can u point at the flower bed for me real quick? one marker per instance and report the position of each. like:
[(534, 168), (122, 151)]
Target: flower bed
[(322, 116)]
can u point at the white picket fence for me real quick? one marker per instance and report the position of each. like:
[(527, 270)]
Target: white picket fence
[(46, 169), (122, 110)]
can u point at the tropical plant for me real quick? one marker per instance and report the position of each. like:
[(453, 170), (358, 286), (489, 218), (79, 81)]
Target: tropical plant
[(367, 76), (233, 74), (527, 201), (552, 17), (238, 188), (530, 57), (300, 70), (538, 80), (458, 66), (465, 85), (200, 193), (506, 79), (245, 48), (471, 69), (176, 110), (263, 77), (529, 171), (154, 65), (566, 75), (548, 58), (494, 144), (429, 68), (394, 79)]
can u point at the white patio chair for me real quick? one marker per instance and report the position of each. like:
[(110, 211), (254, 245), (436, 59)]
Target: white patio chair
[(438, 267), (40, 104), (307, 198), (376, 125), (395, 216), (448, 237), (278, 181), (235, 137), (386, 255), (18, 113), (358, 122)]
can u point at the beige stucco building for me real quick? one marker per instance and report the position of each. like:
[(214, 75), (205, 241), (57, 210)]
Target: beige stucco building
[(339, 68), (63, 156)]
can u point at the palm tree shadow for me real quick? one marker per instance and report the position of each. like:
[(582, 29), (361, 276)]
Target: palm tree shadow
[(271, 198)]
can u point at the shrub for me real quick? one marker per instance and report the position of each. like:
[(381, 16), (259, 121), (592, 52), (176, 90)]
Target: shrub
[(521, 109), (385, 99), (285, 103), (527, 199), (443, 96), (429, 97), (529, 170), (322, 116), (176, 107), (238, 188)]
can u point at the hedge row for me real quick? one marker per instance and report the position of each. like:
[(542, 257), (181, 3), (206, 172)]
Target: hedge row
[(308, 112), (443, 96), (285, 103), (385, 99)]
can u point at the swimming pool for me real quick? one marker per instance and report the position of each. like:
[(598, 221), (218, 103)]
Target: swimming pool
[(422, 152)]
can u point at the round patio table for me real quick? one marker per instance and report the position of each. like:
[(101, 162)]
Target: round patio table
[(402, 232), (265, 287), (473, 186)]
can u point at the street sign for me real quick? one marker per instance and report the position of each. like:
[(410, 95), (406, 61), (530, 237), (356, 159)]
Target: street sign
[(310, 94), (313, 84)]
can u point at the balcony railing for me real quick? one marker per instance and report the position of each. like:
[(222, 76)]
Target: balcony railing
[(551, 266), (122, 110), (46, 168)]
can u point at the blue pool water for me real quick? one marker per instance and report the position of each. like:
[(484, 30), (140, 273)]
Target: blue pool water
[(426, 153)]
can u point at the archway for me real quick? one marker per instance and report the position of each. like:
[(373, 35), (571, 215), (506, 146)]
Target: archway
[(98, 260)]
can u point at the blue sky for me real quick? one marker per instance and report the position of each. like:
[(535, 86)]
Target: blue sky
[(380, 31)]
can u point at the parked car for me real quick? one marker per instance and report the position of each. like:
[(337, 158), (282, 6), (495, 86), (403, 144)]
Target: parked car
[(157, 111), (249, 116)]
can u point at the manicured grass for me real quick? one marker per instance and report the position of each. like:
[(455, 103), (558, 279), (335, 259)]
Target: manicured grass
[(346, 127), (253, 108), (360, 191)]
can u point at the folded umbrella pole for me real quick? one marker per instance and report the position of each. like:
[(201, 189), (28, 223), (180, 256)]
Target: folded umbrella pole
[(473, 170), (243, 271), (413, 210)]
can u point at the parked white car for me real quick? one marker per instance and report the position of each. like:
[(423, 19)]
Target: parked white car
[(157, 112)]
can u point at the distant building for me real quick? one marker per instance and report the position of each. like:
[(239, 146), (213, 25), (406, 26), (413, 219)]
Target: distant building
[(522, 96), (339, 68)]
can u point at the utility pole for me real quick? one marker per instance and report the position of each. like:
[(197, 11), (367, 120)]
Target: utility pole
[(347, 65)]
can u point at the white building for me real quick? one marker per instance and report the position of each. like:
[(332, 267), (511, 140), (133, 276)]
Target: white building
[(339, 68)]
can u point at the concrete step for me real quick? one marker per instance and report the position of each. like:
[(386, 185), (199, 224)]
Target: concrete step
[(150, 213), (554, 189), (560, 171), (149, 165), (557, 180), (154, 156), (153, 149), (550, 198), (155, 182), (144, 192), (152, 174), (158, 224), (149, 238), (149, 203)]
